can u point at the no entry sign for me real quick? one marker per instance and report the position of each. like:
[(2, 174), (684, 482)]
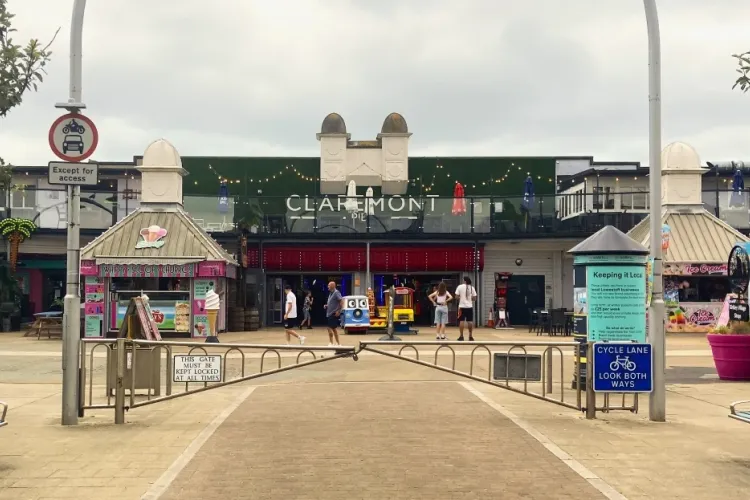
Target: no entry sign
[(73, 137)]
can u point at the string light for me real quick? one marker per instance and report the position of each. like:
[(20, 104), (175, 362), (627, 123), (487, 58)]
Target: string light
[(286, 171), (429, 187)]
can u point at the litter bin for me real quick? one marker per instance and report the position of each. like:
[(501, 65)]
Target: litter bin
[(147, 369)]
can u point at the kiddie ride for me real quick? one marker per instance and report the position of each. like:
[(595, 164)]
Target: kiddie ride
[(361, 313)]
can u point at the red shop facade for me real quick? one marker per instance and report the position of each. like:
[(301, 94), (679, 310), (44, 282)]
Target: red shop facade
[(311, 258)]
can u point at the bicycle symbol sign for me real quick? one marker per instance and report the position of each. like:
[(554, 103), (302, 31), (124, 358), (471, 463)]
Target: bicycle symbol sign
[(622, 367)]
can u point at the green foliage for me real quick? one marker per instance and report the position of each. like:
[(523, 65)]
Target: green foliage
[(24, 227), (743, 63), (21, 66)]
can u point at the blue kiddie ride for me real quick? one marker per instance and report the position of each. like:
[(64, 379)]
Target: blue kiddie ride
[(356, 314)]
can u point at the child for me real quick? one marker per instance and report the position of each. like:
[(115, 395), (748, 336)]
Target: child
[(306, 311)]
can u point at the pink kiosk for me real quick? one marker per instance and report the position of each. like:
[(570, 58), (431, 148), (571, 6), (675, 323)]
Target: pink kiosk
[(158, 250)]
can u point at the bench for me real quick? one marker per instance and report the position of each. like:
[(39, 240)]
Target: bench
[(740, 410), (3, 412)]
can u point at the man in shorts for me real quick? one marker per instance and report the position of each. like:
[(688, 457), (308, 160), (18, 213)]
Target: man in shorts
[(466, 294), (290, 315), (333, 308)]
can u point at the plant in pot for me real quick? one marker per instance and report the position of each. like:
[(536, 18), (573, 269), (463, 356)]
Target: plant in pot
[(730, 346)]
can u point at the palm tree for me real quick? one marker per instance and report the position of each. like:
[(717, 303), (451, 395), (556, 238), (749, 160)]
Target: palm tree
[(16, 231), (743, 63)]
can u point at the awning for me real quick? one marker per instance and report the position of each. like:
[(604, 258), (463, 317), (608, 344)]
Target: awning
[(151, 236), (696, 237)]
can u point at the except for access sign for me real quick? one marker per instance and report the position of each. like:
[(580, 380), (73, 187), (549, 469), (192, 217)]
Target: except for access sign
[(73, 137), (616, 303), (623, 367), (73, 174), (197, 368)]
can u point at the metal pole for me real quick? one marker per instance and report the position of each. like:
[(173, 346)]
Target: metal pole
[(590, 394), (368, 282), (72, 300), (657, 400), (120, 360)]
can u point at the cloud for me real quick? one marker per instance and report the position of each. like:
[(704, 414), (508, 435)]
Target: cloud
[(478, 77)]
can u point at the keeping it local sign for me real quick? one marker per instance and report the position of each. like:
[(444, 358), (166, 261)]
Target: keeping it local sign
[(695, 270), (147, 271), (616, 297)]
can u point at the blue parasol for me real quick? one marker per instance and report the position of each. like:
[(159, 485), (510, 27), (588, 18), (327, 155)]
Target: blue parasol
[(736, 198), (527, 204), (223, 197)]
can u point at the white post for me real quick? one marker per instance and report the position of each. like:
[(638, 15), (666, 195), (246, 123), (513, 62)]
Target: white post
[(657, 400), (72, 301)]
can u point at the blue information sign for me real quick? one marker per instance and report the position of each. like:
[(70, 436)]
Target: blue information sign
[(622, 367), (617, 303)]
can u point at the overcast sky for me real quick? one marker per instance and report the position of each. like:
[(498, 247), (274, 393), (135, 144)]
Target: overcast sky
[(471, 77)]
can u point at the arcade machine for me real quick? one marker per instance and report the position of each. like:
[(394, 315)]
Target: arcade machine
[(502, 319), (403, 311)]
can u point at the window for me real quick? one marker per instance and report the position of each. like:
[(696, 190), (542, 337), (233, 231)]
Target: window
[(598, 191), (24, 198)]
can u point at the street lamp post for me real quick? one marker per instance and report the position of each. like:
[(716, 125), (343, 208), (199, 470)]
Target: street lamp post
[(72, 301), (657, 400)]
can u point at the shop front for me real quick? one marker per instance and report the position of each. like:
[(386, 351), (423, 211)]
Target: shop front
[(311, 267), (159, 251), (694, 295)]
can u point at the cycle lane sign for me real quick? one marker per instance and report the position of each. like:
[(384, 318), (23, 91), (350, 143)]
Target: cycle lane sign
[(622, 367)]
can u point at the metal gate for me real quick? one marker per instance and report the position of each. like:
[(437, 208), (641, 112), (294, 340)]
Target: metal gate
[(133, 369)]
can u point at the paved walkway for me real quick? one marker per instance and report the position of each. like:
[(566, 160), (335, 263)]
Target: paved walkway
[(422, 427), (374, 441)]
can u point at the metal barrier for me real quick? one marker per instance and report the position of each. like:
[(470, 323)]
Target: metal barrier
[(126, 360), (3, 413), (542, 370), (533, 373), (735, 411)]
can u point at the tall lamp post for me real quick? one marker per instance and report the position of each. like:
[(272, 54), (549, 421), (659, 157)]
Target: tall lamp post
[(72, 300), (657, 400)]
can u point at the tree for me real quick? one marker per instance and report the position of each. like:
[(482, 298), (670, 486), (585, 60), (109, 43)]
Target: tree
[(743, 81), (16, 231), (21, 67)]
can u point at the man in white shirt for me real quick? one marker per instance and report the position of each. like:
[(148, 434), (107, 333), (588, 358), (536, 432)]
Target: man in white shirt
[(290, 315), (467, 295)]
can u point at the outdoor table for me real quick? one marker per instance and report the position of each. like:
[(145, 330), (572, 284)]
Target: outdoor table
[(50, 321)]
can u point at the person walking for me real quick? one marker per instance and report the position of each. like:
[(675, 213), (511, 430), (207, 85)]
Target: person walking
[(333, 313), (290, 316), (466, 294), (306, 307), (440, 299)]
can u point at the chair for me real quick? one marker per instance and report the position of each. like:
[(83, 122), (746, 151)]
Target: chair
[(534, 324), (3, 412), (558, 321)]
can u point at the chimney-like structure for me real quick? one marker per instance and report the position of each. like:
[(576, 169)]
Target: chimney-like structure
[(161, 176)]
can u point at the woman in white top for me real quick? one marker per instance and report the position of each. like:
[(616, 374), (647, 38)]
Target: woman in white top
[(440, 299)]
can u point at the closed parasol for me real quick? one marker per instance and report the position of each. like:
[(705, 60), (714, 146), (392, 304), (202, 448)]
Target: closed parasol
[(459, 202)]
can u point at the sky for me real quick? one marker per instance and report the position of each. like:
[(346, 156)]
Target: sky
[(472, 78)]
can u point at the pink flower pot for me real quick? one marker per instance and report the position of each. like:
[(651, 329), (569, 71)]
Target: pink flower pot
[(731, 356)]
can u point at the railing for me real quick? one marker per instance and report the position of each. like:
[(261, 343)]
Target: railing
[(571, 213), (113, 371), (542, 370)]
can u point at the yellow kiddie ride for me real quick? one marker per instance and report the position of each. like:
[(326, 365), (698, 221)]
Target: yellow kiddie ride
[(403, 311)]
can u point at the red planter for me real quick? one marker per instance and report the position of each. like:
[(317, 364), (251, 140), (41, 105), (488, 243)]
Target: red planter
[(731, 356)]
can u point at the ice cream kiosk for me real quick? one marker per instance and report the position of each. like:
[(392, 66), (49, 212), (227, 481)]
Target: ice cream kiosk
[(159, 251)]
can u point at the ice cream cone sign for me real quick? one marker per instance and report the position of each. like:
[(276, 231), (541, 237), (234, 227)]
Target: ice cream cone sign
[(212, 304), (151, 237)]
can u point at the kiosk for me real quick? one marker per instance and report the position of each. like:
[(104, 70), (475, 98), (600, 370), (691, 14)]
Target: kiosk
[(158, 250)]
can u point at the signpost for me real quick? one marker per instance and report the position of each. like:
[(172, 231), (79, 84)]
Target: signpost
[(623, 367), (197, 368), (73, 137), (75, 174)]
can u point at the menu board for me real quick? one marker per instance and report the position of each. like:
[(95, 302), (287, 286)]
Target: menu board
[(200, 320), (93, 308), (168, 314)]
